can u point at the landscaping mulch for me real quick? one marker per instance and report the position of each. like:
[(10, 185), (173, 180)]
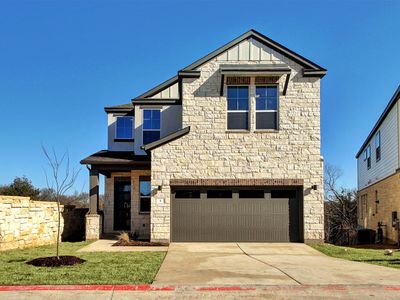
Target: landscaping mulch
[(139, 243), (53, 261)]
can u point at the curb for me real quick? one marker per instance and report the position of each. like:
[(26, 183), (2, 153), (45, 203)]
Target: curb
[(152, 288)]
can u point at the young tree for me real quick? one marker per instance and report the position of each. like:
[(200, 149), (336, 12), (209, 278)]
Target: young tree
[(340, 209), (60, 180)]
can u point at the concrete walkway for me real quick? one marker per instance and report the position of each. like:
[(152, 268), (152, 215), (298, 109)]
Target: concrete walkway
[(264, 264), (104, 245)]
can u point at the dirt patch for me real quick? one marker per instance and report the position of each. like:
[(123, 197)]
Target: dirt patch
[(53, 261), (139, 243)]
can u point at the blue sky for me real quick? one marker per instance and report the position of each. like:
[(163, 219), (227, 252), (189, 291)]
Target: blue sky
[(61, 62)]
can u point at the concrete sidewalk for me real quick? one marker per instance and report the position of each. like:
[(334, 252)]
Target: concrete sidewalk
[(247, 292)]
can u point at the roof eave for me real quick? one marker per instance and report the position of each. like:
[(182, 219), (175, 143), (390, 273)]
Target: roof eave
[(389, 106)]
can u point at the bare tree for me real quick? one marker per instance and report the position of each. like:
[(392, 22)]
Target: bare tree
[(61, 179), (340, 209)]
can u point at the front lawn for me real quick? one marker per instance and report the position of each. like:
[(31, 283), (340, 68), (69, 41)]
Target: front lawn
[(99, 268), (372, 256)]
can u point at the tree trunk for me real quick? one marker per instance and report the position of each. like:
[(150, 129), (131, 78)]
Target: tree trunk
[(58, 229)]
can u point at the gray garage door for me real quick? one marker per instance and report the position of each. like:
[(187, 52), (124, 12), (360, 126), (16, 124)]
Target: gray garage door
[(235, 214)]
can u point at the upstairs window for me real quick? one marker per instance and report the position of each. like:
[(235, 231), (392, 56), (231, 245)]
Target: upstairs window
[(368, 156), (145, 194), (151, 125), (124, 128), (378, 146), (238, 107), (266, 107)]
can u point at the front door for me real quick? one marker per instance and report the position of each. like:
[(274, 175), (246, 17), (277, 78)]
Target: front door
[(122, 203)]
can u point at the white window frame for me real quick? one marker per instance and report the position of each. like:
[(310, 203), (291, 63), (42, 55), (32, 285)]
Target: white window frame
[(239, 111), (116, 128), (266, 110), (151, 108)]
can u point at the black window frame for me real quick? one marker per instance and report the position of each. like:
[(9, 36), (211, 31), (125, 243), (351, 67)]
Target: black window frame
[(368, 156), (144, 198), (378, 146), (257, 112), (237, 111)]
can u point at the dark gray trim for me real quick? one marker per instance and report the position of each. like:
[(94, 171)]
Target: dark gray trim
[(123, 108), (390, 105), (105, 157), (166, 139), (286, 84), (262, 39), (189, 74), (221, 91), (124, 140), (314, 73), (158, 88), (152, 101)]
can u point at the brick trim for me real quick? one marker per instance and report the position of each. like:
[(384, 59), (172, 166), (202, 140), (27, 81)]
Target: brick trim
[(237, 182)]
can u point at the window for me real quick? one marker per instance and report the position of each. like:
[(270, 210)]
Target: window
[(219, 194), (283, 194), (238, 107), (394, 218), (124, 128), (151, 125), (193, 194), (266, 107), (368, 156), (378, 146), (145, 194), (251, 194)]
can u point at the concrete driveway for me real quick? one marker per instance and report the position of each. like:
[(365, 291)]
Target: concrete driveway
[(264, 264)]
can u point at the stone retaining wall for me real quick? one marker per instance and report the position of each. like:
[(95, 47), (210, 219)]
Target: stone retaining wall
[(27, 223)]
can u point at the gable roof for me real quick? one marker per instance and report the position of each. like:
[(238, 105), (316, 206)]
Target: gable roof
[(128, 107), (388, 108), (309, 66)]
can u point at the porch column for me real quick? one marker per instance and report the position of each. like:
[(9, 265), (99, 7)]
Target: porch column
[(93, 220), (93, 192)]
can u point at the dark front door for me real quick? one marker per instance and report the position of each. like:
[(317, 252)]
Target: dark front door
[(122, 203)]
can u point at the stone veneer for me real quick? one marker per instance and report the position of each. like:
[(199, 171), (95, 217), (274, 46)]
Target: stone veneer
[(140, 222), (210, 151), (27, 223), (370, 213)]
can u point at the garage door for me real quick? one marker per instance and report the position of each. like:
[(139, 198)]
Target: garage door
[(235, 214)]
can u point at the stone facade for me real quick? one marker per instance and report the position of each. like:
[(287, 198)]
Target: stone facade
[(387, 193), (27, 223), (140, 222), (210, 151)]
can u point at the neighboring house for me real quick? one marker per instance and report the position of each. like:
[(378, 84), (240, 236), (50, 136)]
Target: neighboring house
[(226, 150), (378, 166)]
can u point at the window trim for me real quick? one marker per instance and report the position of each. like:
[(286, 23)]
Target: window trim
[(121, 139), (144, 179), (239, 111), (378, 148), (277, 107), (152, 108)]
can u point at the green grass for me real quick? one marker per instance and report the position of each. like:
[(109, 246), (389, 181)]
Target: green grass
[(99, 268), (372, 256)]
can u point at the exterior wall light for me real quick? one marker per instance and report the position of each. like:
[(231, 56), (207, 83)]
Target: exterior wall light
[(314, 187)]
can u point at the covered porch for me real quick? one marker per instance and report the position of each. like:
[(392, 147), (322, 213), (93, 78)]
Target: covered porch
[(126, 194)]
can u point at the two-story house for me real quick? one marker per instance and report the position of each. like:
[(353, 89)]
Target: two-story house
[(378, 166), (226, 150)]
